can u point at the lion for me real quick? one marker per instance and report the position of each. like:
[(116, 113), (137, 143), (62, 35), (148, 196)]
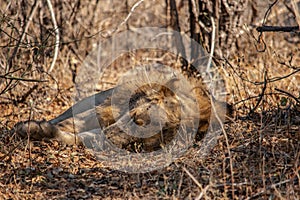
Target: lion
[(140, 114)]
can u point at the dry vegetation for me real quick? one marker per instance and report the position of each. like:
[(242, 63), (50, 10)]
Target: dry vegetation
[(257, 157)]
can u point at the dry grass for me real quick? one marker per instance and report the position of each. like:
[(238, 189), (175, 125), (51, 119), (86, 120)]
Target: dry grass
[(264, 157)]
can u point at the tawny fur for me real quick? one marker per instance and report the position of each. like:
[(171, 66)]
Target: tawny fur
[(147, 96)]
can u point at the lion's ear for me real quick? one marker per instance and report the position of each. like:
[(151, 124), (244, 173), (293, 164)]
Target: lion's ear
[(172, 83), (170, 87)]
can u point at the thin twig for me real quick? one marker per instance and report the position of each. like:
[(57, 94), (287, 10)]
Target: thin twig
[(180, 183), (21, 79), (288, 94), (296, 11), (260, 39), (269, 80), (227, 144), (212, 48), (137, 4), (262, 94), (202, 193), (33, 10), (192, 177), (268, 12), (56, 30), (273, 186)]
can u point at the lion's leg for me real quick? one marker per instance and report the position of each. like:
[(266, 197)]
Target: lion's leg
[(43, 130)]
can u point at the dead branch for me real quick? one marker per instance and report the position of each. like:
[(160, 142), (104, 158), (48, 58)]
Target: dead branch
[(21, 79), (278, 29), (296, 11), (56, 30), (25, 29), (262, 94)]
